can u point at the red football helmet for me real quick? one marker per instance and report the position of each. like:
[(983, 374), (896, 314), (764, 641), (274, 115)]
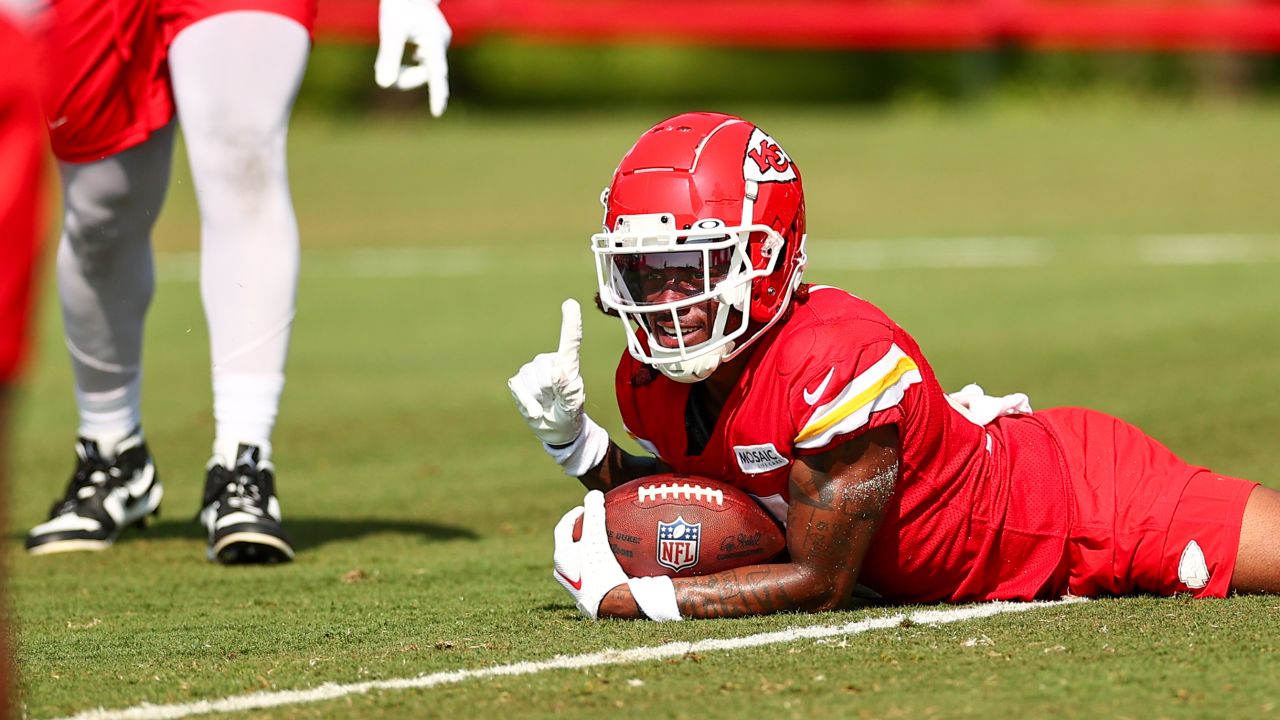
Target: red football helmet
[(704, 207)]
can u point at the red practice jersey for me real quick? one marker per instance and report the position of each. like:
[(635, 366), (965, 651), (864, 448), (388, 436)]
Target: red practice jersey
[(979, 512)]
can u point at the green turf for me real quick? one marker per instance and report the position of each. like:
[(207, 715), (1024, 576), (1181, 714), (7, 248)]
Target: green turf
[(422, 508)]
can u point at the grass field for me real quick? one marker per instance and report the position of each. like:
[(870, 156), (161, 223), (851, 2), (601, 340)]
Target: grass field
[(1103, 254)]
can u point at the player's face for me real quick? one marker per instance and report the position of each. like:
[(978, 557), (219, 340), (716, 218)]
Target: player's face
[(659, 278), (696, 322)]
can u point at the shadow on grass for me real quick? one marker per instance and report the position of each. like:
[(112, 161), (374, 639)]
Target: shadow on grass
[(308, 533)]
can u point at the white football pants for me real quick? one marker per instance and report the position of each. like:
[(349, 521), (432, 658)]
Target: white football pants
[(235, 77)]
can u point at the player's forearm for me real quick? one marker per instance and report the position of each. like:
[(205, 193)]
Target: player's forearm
[(758, 590), (618, 467), (750, 590)]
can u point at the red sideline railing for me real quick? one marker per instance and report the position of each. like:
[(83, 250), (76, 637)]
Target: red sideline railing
[(1245, 25)]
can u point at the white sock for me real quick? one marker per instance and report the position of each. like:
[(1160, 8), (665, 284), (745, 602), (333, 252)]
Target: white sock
[(110, 415), (244, 410)]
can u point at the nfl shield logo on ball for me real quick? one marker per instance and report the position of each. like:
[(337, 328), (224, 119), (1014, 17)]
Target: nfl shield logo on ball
[(678, 544)]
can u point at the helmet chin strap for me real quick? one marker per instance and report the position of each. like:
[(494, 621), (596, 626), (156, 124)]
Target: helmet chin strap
[(696, 369)]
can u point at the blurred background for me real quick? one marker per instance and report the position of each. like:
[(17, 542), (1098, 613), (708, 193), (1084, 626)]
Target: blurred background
[(557, 53)]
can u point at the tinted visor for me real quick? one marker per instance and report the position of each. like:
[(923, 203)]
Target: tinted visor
[(652, 278)]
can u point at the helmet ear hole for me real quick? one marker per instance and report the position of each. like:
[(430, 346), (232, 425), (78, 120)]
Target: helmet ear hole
[(763, 306)]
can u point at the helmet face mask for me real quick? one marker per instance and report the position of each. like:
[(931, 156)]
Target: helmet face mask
[(703, 242), (682, 294)]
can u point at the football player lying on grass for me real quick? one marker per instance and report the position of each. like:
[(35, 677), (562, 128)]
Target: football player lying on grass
[(821, 407)]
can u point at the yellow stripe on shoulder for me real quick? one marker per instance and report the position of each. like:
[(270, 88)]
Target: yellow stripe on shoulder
[(880, 386)]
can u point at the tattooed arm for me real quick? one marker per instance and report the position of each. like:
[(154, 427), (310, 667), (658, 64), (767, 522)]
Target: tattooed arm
[(837, 501), (620, 466)]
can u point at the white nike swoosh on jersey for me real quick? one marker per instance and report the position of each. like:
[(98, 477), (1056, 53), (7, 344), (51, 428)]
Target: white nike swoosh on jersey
[(55, 124), (812, 397)]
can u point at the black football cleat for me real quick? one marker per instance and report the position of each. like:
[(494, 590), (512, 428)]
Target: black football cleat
[(241, 513), (106, 494)]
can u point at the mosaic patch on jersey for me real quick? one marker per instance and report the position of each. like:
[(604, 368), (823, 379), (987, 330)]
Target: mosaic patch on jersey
[(679, 543), (758, 459)]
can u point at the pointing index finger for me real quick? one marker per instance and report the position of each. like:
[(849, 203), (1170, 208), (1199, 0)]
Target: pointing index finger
[(570, 337)]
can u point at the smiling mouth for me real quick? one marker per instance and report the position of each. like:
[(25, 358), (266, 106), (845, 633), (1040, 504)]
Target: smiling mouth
[(668, 335)]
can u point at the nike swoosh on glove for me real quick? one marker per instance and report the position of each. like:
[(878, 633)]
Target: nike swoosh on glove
[(586, 567)]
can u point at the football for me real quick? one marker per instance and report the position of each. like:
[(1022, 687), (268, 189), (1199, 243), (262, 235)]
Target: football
[(683, 525)]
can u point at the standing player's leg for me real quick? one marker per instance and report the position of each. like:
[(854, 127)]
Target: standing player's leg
[(1258, 559), (105, 283), (235, 76)]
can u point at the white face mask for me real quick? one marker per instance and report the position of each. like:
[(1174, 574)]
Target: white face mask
[(683, 295)]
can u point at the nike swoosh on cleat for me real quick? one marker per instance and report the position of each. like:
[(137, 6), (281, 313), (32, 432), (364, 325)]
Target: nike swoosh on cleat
[(141, 481), (576, 585), (812, 397)]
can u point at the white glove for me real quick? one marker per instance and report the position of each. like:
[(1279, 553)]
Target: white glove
[(549, 391), (587, 567), (422, 23)]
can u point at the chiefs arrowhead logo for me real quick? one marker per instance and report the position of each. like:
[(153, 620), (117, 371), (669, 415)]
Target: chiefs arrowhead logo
[(769, 156), (1193, 571), (766, 161)]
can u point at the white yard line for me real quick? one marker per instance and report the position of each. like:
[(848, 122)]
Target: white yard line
[(1022, 252), (330, 691), (377, 262), (939, 252), (1207, 249), (830, 253)]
